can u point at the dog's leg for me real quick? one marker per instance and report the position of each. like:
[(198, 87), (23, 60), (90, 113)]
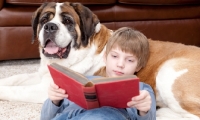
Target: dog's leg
[(176, 82), (21, 79), (34, 93), (168, 114), (29, 93), (30, 88)]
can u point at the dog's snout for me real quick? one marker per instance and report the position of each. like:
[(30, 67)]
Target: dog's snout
[(51, 27)]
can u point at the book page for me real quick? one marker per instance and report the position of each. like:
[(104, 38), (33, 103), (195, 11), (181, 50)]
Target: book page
[(75, 75), (109, 79)]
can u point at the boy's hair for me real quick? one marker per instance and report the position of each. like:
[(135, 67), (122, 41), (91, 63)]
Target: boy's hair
[(130, 41)]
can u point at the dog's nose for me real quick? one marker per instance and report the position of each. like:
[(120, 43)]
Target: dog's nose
[(50, 27)]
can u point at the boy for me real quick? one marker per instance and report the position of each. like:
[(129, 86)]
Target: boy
[(127, 52)]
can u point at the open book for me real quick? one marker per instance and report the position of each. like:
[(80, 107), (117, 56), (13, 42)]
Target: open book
[(97, 92)]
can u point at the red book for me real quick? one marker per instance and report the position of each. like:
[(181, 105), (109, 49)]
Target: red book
[(101, 91)]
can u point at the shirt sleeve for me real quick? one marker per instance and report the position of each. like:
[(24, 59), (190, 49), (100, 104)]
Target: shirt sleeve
[(49, 110), (151, 114)]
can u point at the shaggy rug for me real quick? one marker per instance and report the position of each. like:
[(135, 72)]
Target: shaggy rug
[(18, 110)]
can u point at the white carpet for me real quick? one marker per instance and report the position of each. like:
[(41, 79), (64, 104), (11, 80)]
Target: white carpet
[(18, 110)]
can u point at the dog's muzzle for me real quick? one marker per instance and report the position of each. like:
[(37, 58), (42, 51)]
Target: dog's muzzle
[(51, 49), (50, 28)]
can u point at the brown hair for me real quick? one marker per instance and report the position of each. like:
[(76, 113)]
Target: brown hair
[(130, 41)]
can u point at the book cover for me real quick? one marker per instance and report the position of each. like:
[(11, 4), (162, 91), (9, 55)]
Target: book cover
[(97, 92)]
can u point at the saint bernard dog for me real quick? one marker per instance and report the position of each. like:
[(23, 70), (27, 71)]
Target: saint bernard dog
[(71, 35)]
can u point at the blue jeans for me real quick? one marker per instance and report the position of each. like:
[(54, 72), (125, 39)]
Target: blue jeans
[(103, 113)]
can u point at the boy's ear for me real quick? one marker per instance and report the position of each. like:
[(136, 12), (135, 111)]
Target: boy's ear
[(138, 69)]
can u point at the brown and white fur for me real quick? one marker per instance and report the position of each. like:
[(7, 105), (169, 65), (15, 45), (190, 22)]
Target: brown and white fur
[(172, 69)]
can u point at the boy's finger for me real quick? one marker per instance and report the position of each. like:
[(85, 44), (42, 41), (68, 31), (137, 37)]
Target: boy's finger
[(62, 91), (56, 98), (55, 88), (53, 85), (133, 103), (57, 95), (140, 106), (61, 95), (143, 107), (141, 96)]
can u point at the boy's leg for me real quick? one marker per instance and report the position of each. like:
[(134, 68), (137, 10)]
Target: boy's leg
[(103, 113), (68, 115)]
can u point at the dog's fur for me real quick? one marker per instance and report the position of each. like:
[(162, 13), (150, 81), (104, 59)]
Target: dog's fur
[(172, 69)]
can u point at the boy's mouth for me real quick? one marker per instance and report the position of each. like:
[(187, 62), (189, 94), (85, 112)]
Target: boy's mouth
[(118, 73)]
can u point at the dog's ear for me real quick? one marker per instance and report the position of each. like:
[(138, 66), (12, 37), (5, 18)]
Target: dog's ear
[(88, 21), (35, 21)]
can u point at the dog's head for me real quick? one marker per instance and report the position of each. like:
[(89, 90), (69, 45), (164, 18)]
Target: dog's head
[(62, 26)]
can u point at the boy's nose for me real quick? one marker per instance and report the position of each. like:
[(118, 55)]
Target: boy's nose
[(120, 63)]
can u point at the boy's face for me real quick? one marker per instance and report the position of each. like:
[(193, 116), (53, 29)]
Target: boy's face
[(120, 63)]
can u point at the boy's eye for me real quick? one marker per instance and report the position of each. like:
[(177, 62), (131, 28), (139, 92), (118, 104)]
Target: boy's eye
[(114, 56), (130, 60)]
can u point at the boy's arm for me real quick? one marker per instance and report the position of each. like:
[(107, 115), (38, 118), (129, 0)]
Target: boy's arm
[(151, 114)]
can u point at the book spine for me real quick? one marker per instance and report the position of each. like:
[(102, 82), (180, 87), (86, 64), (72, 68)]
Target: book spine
[(91, 97)]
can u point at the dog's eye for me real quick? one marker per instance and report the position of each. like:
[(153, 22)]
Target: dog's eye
[(46, 17), (43, 20), (67, 20)]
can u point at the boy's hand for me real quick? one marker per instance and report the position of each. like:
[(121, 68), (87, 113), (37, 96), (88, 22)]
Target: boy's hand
[(142, 102), (56, 94)]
